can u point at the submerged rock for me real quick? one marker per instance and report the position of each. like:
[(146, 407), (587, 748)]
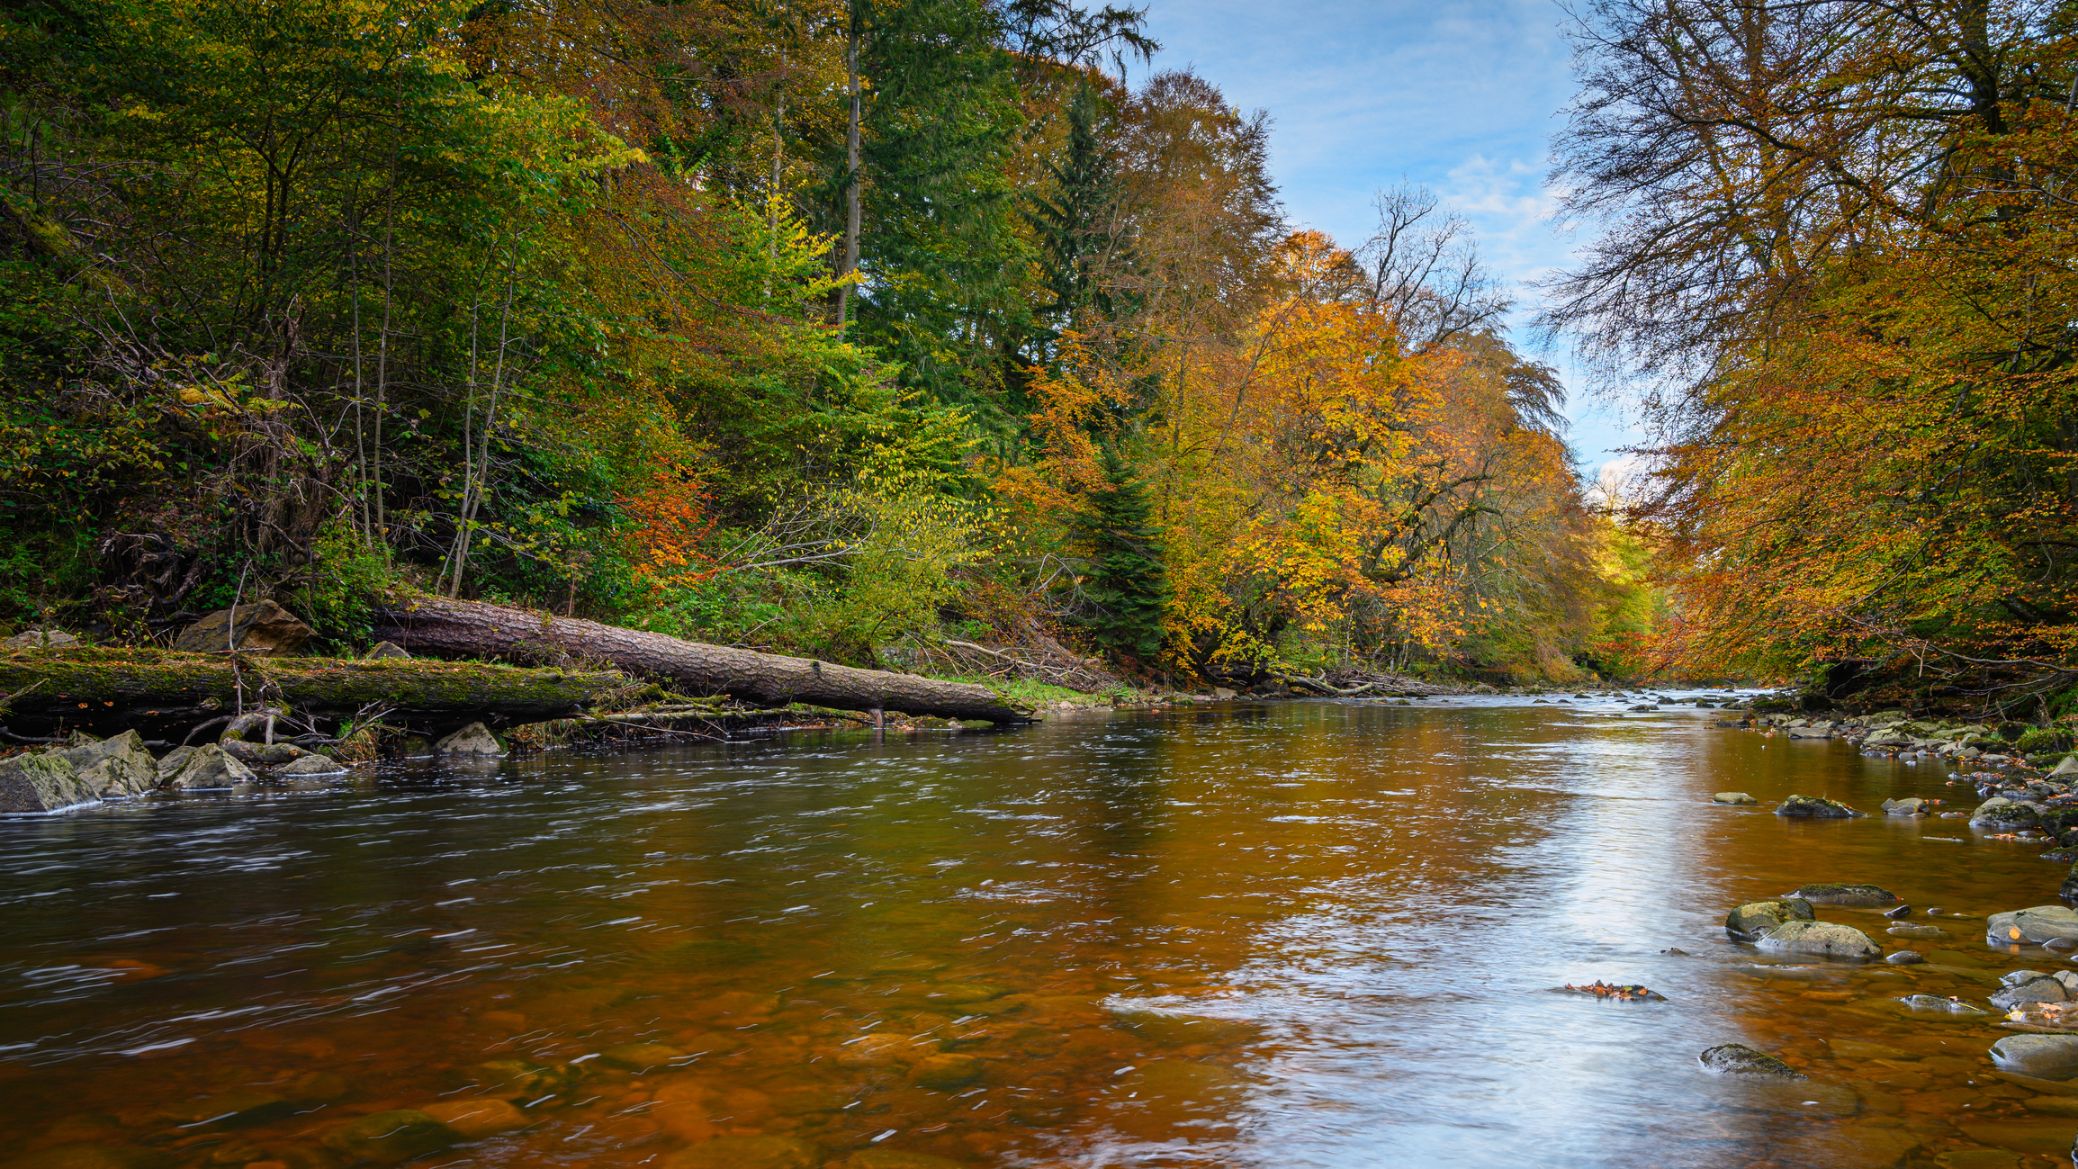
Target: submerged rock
[(1837, 894), (209, 767), (1737, 1059), (1733, 798), (747, 1152), (1815, 808), (479, 1118), (1749, 921), (1904, 958), (472, 741), (2045, 1057), (1822, 939), (1933, 1004), (2034, 926), (1910, 929), (389, 1138)]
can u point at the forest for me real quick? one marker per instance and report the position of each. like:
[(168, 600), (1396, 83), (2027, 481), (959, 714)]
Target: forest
[(850, 328), (863, 329)]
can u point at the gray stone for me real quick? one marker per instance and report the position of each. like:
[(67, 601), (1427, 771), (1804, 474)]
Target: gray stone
[(1933, 1004), (1737, 1059), (115, 767), (1749, 921), (263, 627), (2036, 988), (1815, 808), (171, 762), (1904, 958), (475, 740), (1733, 798), (41, 639), (1909, 806), (387, 649), (312, 765), (1915, 930), (1818, 939), (42, 781), (2003, 815), (2034, 926), (209, 767), (2045, 1057), (1837, 894), (2067, 768)]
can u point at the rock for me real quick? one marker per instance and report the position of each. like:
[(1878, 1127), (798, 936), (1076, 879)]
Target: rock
[(1904, 958), (1748, 922), (474, 740), (2045, 1057), (262, 754), (896, 1159), (1933, 1004), (479, 1118), (41, 639), (1739, 798), (389, 1138), (641, 1057), (2066, 769), (86, 1156), (42, 781), (263, 628), (1815, 808), (387, 649), (208, 767), (312, 765), (116, 767), (2003, 815), (946, 1072), (2033, 988), (1822, 939), (747, 1152), (1737, 1059), (2035, 926), (171, 762), (1909, 806), (1836, 894), (1915, 930)]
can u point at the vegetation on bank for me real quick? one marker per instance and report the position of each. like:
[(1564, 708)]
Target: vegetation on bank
[(846, 329)]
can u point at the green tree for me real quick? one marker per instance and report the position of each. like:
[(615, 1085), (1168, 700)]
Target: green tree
[(1127, 585)]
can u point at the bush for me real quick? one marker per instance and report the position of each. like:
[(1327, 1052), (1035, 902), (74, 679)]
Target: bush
[(2043, 739), (347, 576)]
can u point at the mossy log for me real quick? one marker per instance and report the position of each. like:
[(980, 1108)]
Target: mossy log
[(161, 692), (473, 629)]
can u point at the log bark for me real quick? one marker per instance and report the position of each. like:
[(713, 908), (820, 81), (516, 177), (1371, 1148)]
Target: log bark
[(160, 692), (473, 629)]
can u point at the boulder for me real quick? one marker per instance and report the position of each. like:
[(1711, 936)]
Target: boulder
[(387, 649), (2045, 1057), (474, 740), (1748, 922), (1818, 939), (1909, 806), (2035, 926), (1736, 798), (1737, 1059), (41, 639), (116, 767), (263, 627), (1815, 808), (2029, 986), (1836, 894), (309, 765), (2003, 815), (171, 762), (42, 781), (209, 767)]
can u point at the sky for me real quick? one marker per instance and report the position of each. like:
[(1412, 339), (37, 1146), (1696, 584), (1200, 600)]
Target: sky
[(1460, 96)]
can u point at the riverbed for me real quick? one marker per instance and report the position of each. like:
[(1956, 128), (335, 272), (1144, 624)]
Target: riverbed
[(1296, 935)]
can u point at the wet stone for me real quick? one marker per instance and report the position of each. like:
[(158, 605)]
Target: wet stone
[(2040, 988), (1815, 808), (1915, 930), (1820, 939), (947, 1072), (1999, 814), (1749, 921), (2046, 1057), (641, 1057), (389, 1138), (1733, 798), (1838, 894), (1905, 958), (2037, 926), (897, 1159), (477, 1119), (1933, 1004), (1737, 1059), (747, 1152)]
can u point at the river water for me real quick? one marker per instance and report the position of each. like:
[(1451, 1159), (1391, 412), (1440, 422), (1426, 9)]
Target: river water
[(1297, 935)]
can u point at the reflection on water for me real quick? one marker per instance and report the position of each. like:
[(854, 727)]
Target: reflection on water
[(1294, 936)]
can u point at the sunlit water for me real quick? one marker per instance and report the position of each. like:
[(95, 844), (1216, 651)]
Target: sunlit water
[(1299, 935)]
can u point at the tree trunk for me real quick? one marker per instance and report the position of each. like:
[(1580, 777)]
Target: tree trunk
[(854, 164), (473, 629), (159, 692)]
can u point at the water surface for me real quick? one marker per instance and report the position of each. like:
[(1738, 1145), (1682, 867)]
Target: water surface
[(1301, 935)]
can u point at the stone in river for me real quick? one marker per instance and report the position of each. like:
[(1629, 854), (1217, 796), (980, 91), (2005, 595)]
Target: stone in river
[(1815, 808), (747, 1152), (2003, 815), (1933, 1004), (1838, 894), (1905, 958), (479, 1118), (389, 1138), (208, 768), (312, 765), (2068, 891), (2034, 988), (2034, 926), (2045, 1057), (1737, 1059), (947, 1072), (1748, 922), (1901, 911), (897, 1159), (1733, 798), (41, 782), (1909, 806), (472, 741), (1823, 939), (1911, 929), (114, 767)]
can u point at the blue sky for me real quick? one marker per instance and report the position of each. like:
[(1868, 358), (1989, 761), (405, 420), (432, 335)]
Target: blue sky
[(1460, 96)]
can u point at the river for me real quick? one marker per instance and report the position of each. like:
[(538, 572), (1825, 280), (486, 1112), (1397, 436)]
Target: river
[(1287, 936)]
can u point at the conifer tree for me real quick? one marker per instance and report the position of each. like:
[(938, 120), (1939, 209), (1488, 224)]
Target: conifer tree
[(1127, 584)]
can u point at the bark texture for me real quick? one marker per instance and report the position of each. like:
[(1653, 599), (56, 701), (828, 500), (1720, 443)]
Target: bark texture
[(473, 629), (157, 691)]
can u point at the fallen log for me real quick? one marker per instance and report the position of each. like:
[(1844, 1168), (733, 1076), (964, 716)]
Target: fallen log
[(160, 692), (474, 629)]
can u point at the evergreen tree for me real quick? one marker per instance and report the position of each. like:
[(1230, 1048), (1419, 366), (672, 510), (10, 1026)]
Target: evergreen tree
[(1078, 233), (1127, 583)]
